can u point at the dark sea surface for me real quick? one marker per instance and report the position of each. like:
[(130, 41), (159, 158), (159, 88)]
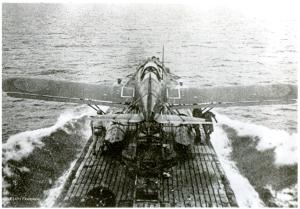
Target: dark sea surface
[(99, 43)]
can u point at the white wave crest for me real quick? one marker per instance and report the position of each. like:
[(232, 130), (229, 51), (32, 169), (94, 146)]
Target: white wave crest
[(245, 194), (286, 197), (283, 143), (22, 144)]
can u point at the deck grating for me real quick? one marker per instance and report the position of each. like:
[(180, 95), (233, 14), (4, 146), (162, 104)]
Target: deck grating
[(197, 180)]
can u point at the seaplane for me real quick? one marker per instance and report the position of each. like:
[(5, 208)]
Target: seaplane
[(150, 96), (151, 99), (153, 118)]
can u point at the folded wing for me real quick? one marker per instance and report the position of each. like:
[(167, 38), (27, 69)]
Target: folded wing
[(64, 91), (235, 96)]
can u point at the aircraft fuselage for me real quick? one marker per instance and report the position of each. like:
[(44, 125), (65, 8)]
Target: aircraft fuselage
[(151, 85)]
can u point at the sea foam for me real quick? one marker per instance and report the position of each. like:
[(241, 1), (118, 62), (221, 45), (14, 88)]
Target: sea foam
[(22, 144), (286, 197), (245, 194), (283, 143)]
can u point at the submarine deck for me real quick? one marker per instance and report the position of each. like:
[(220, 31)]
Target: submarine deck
[(197, 180)]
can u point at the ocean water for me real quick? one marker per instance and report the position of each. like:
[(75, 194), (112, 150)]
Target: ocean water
[(100, 43)]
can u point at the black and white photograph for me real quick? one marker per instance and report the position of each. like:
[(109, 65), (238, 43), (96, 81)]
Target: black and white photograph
[(150, 104)]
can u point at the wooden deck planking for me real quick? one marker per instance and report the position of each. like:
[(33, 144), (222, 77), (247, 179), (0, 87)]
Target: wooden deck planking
[(171, 189), (202, 175), (180, 201), (189, 191), (74, 183), (198, 176), (221, 190), (195, 181), (85, 172), (119, 185), (211, 161), (93, 173), (101, 171)]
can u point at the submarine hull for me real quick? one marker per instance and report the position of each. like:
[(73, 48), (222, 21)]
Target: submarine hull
[(192, 178)]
